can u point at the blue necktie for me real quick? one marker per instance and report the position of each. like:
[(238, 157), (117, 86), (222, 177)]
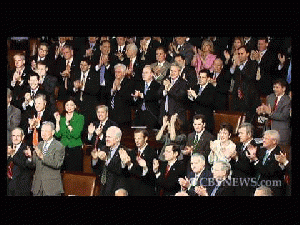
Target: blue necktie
[(200, 90), (102, 71), (45, 149), (289, 76)]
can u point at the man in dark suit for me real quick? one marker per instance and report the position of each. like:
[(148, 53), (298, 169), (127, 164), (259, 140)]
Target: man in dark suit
[(180, 46), (33, 120), (91, 50), (202, 98), (173, 95), (133, 63), (267, 65), (245, 97), (220, 185), (47, 82), (21, 70), (105, 70), (199, 140), (86, 87), (47, 159), (138, 164), (118, 48), (13, 116), (242, 167), (119, 97), (268, 170), (65, 69), (168, 172), (220, 78), (97, 129), (106, 163), (19, 174), (147, 48), (146, 100), (188, 72), (197, 177), (42, 56)]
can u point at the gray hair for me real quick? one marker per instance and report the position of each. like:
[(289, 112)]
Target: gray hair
[(20, 129), (102, 107), (49, 123), (176, 64), (132, 46), (249, 128), (225, 166), (266, 190), (123, 191), (122, 66), (274, 134), (117, 132), (199, 156)]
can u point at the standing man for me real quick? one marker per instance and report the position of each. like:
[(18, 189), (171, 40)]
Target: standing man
[(173, 95), (138, 165), (168, 172), (146, 99), (202, 97), (161, 66), (106, 163), (47, 158), (18, 172), (13, 116)]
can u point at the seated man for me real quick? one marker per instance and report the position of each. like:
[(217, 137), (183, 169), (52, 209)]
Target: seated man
[(168, 172), (13, 116), (198, 177), (220, 184)]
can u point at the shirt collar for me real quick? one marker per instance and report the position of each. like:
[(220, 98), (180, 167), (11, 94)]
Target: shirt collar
[(141, 150)]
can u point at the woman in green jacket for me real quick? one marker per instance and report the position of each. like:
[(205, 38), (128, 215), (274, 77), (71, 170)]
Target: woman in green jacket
[(69, 127)]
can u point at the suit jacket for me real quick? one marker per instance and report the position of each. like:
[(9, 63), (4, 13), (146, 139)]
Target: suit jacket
[(176, 99), (203, 145), (137, 68), (47, 175), (71, 138), (121, 113), (225, 189), (187, 52), (271, 172), (96, 52), (150, 55), (13, 120), (280, 119), (151, 97), (204, 104), (115, 178), (140, 185), (20, 183), (202, 180), (101, 143), (169, 185), (47, 116), (245, 79), (222, 88), (189, 74), (268, 66), (164, 71)]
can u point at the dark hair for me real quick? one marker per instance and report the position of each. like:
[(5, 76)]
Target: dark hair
[(205, 71), (70, 99), (161, 48), (143, 131), (87, 60), (42, 63), (280, 81), (263, 38), (198, 117), (226, 126), (34, 74), (245, 47), (180, 55), (175, 147)]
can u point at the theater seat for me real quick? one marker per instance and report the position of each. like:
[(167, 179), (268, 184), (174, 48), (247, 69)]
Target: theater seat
[(59, 104), (231, 117), (80, 184)]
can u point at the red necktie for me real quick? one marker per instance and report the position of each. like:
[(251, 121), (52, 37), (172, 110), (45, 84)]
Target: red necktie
[(166, 175), (276, 104), (9, 169), (35, 139)]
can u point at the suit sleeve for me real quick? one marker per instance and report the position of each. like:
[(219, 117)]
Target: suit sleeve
[(56, 159)]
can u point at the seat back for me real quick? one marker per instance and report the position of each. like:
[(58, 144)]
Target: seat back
[(231, 117), (79, 184), (59, 104)]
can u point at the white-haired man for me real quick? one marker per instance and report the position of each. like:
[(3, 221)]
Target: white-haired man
[(106, 163)]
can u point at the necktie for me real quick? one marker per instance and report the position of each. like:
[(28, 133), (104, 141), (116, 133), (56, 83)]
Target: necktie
[(9, 169), (32, 93), (35, 139), (196, 138), (167, 171), (213, 193), (98, 136), (200, 90), (275, 104), (265, 157), (102, 71), (131, 64), (113, 101), (289, 76), (45, 149), (104, 171)]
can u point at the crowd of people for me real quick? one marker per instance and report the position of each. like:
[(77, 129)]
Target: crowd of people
[(108, 84)]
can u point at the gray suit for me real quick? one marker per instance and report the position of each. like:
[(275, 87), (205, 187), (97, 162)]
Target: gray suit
[(13, 121), (280, 119), (47, 178)]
